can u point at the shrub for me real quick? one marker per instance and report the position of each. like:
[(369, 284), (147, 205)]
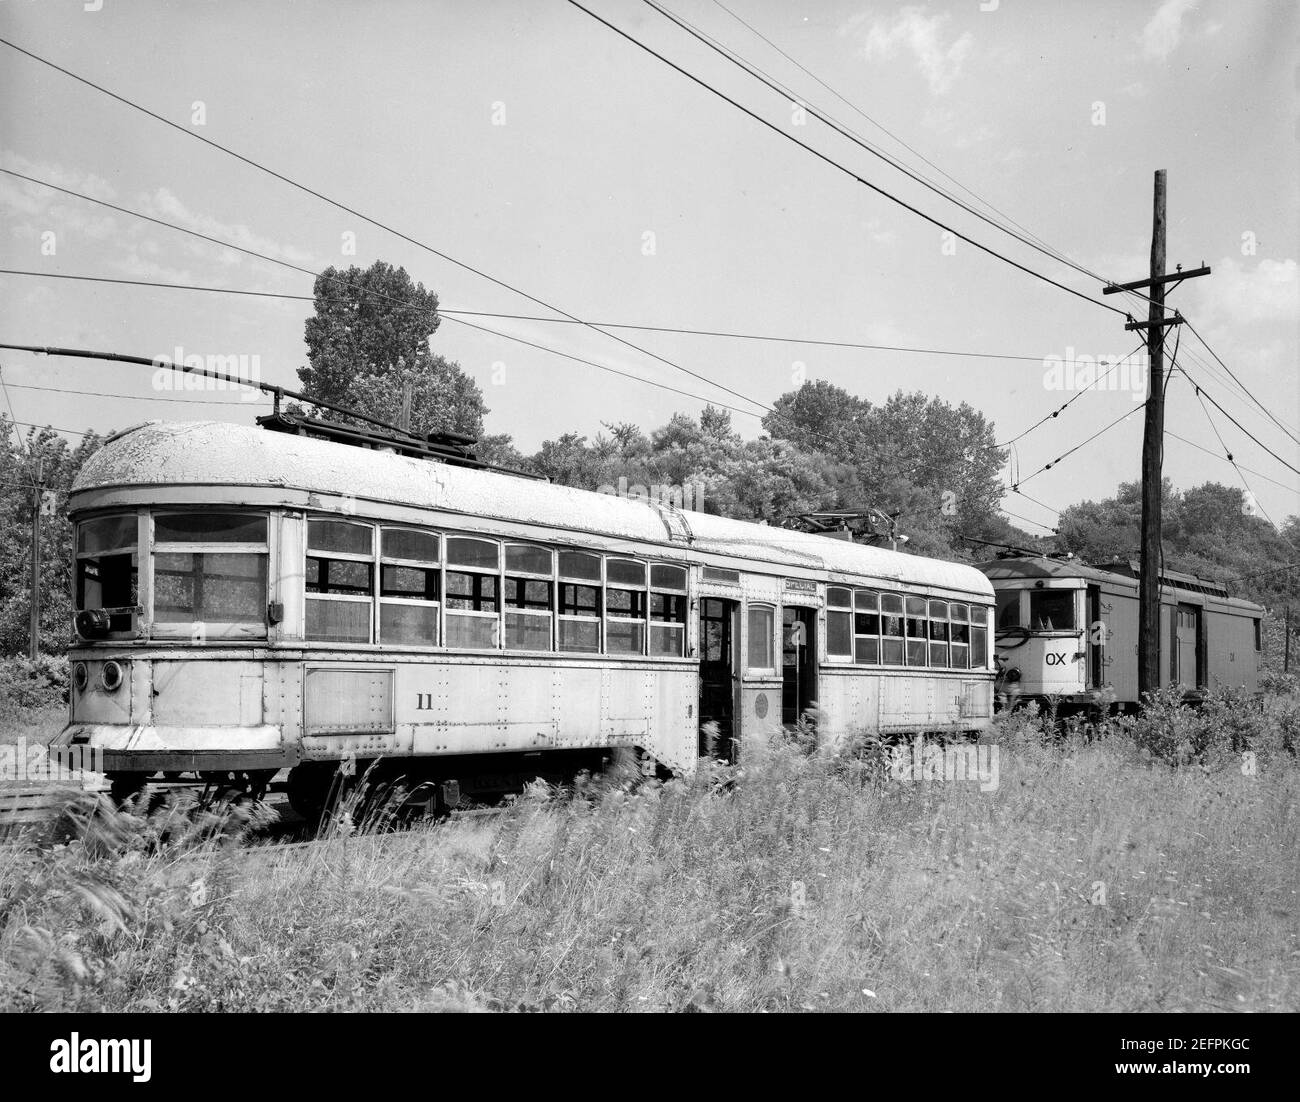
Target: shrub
[(25, 683)]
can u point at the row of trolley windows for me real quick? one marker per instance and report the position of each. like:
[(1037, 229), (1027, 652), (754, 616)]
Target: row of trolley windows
[(485, 595), (871, 628)]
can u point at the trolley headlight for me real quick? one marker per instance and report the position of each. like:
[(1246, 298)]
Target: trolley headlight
[(1012, 674), (110, 676), (80, 677)]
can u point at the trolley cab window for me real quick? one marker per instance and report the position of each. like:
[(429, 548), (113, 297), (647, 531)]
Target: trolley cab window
[(107, 575), (1051, 609), (209, 575)]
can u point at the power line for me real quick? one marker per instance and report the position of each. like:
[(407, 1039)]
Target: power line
[(376, 223), (253, 396), (1268, 413), (1258, 474), (450, 314), (1054, 462), (307, 271), (775, 85), (1201, 390), (842, 168)]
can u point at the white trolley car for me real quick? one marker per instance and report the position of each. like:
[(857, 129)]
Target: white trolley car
[(250, 601)]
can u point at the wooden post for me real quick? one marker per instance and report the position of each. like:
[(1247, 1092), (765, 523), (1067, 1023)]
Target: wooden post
[(34, 649), (1152, 454)]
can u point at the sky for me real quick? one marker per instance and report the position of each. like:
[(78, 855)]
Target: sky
[(530, 143)]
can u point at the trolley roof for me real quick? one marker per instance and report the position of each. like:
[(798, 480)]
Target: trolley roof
[(208, 453)]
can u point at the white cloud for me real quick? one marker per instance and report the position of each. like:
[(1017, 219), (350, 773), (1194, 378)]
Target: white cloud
[(1237, 295), (1161, 35), (167, 206), (922, 35)]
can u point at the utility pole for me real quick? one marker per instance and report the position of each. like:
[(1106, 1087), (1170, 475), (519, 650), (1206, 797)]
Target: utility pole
[(1153, 437), (37, 501)]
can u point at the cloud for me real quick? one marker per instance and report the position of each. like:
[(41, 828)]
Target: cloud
[(1161, 35), (165, 205), (1237, 295), (921, 35)]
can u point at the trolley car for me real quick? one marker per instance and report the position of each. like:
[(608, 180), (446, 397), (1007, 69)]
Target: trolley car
[(249, 601), (1067, 633)]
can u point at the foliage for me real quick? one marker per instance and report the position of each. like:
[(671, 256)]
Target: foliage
[(368, 339), (34, 684), (799, 879)]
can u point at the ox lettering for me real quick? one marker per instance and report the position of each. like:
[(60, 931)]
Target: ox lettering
[(1057, 659)]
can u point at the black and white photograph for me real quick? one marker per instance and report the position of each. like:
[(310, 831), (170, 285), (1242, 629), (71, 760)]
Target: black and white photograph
[(608, 507)]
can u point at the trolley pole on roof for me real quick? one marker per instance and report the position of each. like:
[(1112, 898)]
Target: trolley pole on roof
[(1153, 438)]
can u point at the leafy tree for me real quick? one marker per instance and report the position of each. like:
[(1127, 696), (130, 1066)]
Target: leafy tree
[(368, 339)]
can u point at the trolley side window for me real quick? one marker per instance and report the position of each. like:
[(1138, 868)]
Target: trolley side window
[(473, 593), (939, 634), (1051, 609), (579, 602), (410, 581), (210, 575), (891, 629), (917, 625), (762, 638), (866, 627), (959, 635), (107, 571), (979, 637), (839, 623), (340, 581), (625, 606), (667, 611), (528, 590)]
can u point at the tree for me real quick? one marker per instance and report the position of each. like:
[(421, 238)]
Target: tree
[(60, 464), (368, 339)]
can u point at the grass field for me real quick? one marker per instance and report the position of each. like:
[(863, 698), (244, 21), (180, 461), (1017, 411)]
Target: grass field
[(1096, 877)]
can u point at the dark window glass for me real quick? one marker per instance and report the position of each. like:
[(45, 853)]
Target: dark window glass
[(626, 604), (916, 627), (891, 625), (839, 634), (961, 633), (341, 536), (1051, 609), (209, 528), (338, 621), (344, 576), (916, 652), (891, 602), (109, 581), (668, 577), (580, 566), (580, 635), (839, 598), (527, 631), (866, 651), (471, 593), (939, 654), (916, 606), (106, 534), (209, 587), (668, 607), (624, 572), (528, 560), (416, 582), (408, 543), (979, 653), (891, 652), (866, 623), (938, 630), (938, 610), (959, 612), (479, 553), (528, 593), (579, 600), (866, 600), (624, 637), (408, 625), (1008, 609)]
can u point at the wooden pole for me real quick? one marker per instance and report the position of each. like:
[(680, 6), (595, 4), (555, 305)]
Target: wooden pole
[(1286, 647), (1152, 449), (34, 649)]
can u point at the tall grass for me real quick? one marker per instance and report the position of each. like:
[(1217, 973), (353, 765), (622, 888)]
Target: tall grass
[(1109, 870)]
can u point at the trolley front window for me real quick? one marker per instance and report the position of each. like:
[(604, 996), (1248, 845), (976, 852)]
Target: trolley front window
[(209, 575), (1051, 609), (107, 574)]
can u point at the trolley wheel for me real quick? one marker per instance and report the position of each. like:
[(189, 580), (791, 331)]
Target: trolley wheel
[(125, 786)]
